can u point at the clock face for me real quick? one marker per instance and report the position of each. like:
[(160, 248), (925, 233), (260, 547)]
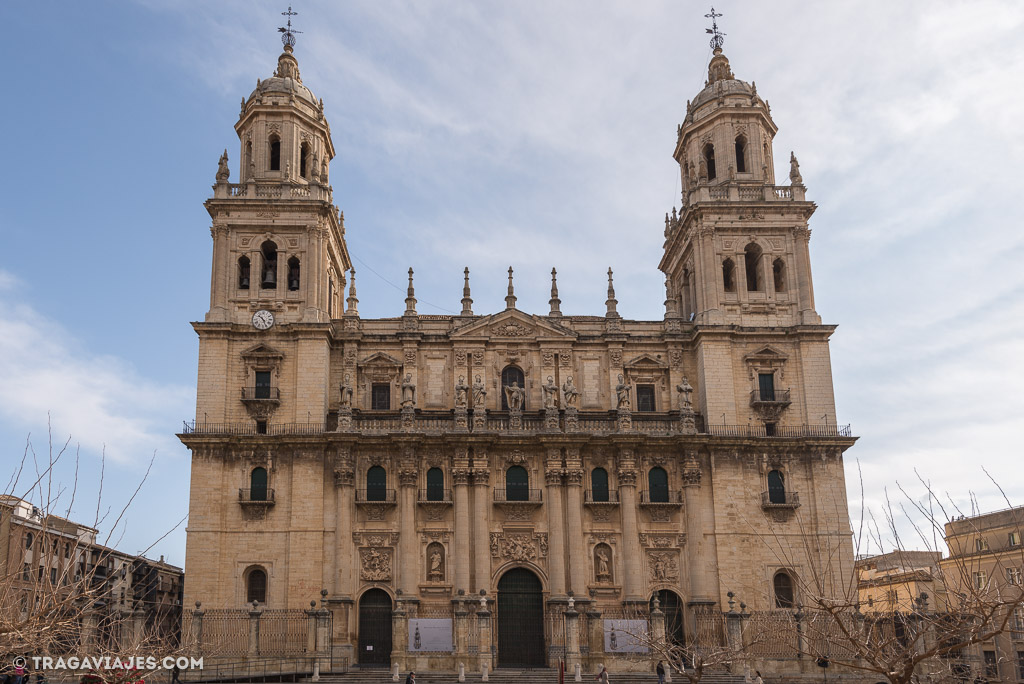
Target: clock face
[(262, 320)]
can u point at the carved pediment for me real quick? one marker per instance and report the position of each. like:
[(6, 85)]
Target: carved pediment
[(766, 353), (512, 325), (645, 361), (380, 360), (262, 352)]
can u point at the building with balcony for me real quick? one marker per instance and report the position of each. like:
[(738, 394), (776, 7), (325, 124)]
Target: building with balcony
[(398, 469)]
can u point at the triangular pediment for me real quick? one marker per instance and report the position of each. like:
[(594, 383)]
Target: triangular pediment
[(512, 324), (645, 361), (262, 351), (380, 359), (766, 353)]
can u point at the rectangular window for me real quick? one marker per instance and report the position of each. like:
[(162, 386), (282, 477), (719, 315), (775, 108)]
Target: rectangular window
[(380, 399), (1017, 620), (980, 544), (262, 385), (991, 665), (892, 597), (26, 572), (980, 579), (645, 397), (766, 386), (1014, 539), (1020, 664), (261, 427), (770, 429), (1013, 576)]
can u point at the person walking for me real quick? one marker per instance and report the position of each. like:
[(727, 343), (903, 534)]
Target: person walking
[(410, 678), (176, 674), (660, 669), (602, 676)]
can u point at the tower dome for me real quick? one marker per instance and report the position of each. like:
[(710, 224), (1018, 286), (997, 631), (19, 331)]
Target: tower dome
[(722, 83), (285, 81)]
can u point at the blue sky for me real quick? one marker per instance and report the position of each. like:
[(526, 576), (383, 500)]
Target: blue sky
[(536, 134)]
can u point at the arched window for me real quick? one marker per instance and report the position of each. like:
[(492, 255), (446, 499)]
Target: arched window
[(435, 484), (275, 153), (517, 484), (657, 485), (256, 586), (304, 160), (258, 484), (709, 160), (268, 275), (776, 487), (779, 275), (598, 484), (243, 273), (741, 154), (376, 484), (729, 275), (293, 274), (783, 585), (510, 375), (752, 257)]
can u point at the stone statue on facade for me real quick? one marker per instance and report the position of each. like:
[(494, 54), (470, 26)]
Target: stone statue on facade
[(570, 395), (436, 573), (408, 392), (685, 391), (515, 396), (346, 392), (550, 393), (479, 394), (461, 393), (603, 568), (622, 400)]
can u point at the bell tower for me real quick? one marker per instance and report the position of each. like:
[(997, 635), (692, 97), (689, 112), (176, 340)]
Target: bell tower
[(736, 252), (279, 241)]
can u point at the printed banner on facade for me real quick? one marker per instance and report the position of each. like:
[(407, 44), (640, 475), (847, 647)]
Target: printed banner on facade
[(431, 634), (625, 636)]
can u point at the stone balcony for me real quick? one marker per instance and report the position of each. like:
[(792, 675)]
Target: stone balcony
[(277, 191), (758, 192)]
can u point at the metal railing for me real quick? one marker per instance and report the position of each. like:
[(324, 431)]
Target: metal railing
[(670, 497), (780, 499), (261, 392), (375, 496), (245, 429), (777, 396), (501, 495), (262, 495), (779, 431), (610, 496), (435, 495)]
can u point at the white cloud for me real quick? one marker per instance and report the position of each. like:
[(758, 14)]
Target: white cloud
[(99, 400)]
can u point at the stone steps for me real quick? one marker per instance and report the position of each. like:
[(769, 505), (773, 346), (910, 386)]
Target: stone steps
[(514, 676)]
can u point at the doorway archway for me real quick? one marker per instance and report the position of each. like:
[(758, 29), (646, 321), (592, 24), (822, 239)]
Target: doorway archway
[(375, 629), (672, 606), (520, 620)]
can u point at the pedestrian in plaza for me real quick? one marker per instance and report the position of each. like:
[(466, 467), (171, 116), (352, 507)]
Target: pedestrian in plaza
[(410, 678), (19, 671), (602, 676), (660, 669), (757, 677), (175, 674)]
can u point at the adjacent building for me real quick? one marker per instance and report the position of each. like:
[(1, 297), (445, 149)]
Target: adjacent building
[(395, 470), (901, 582)]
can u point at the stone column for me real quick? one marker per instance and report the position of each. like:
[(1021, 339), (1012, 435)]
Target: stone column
[(482, 529), (460, 481), (694, 530), (572, 637), (399, 635), (633, 582), (408, 574), (801, 238), (579, 561), (196, 646), (484, 643), (461, 629), (769, 276), (344, 481), (253, 648), (556, 526)]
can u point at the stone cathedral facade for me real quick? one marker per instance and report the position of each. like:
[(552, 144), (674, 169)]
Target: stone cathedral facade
[(397, 470)]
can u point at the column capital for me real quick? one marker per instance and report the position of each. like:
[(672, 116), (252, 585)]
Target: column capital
[(574, 477)]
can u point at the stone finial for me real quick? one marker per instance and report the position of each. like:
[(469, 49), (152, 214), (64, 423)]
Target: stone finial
[(671, 310), (510, 298), (555, 302), (794, 170), (410, 297), (467, 300), (223, 173), (352, 301), (611, 302)]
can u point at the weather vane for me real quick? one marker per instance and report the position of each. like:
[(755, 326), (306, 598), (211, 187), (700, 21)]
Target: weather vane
[(288, 33), (717, 37)]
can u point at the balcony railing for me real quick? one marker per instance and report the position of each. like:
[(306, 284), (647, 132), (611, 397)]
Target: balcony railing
[(779, 431), (610, 496), (259, 495), (244, 429), (435, 496), (501, 495), (769, 396), (375, 496), (780, 500), (661, 498), (260, 393)]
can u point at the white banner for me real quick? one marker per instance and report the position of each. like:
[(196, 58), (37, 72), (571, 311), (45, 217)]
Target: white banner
[(431, 634), (625, 636)]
